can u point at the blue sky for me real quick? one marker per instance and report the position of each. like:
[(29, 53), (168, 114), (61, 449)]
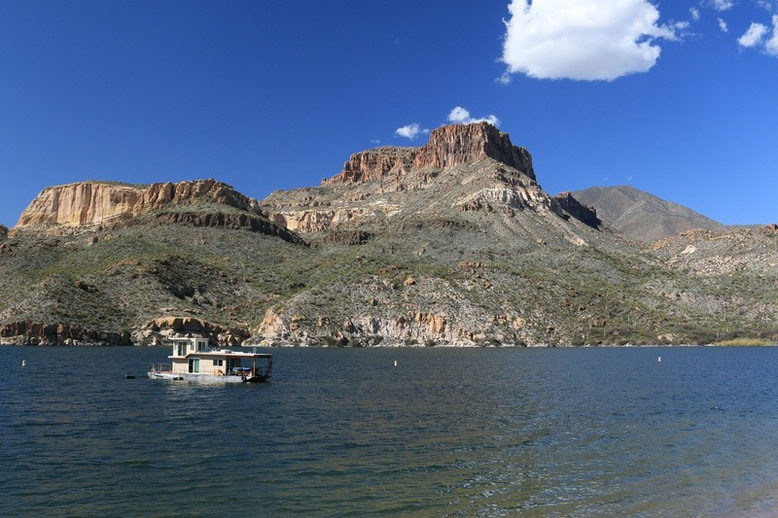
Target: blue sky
[(276, 94)]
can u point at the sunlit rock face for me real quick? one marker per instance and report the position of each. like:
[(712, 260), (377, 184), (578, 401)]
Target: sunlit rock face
[(85, 204), (448, 146), (462, 167)]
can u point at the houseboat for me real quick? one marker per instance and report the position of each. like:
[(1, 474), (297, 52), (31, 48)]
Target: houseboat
[(194, 360)]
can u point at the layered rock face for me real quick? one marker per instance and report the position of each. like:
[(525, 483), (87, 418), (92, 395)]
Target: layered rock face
[(460, 144), (448, 146), (86, 204), (462, 168), (37, 333), (374, 164)]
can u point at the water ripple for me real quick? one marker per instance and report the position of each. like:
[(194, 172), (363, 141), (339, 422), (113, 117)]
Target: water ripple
[(578, 432)]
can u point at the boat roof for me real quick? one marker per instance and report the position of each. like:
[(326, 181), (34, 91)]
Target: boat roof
[(229, 354)]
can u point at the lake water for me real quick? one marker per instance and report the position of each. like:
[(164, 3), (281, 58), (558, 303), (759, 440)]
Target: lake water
[(457, 432)]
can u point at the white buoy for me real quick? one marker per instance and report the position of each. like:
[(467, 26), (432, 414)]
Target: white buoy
[(24, 363), (395, 363), (659, 359)]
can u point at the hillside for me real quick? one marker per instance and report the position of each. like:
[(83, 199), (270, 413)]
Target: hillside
[(641, 216), (454, 242)]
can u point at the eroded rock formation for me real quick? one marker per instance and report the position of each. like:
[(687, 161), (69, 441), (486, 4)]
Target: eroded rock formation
[(578, 210), (459, 144), (217, 220), (165, 327), (374, 164), (39, 333), (448, 146), (86, 204)]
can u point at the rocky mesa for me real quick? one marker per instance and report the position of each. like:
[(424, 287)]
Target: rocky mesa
[(448, 146), (85, 204)]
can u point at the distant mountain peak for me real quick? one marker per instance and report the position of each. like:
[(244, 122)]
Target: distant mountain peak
[(641, 216)]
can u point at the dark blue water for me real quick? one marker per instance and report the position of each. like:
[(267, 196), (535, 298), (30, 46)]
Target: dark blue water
[(461, 432)]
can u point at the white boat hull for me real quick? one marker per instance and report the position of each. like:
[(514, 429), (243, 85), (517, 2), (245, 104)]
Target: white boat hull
[(200, 378)]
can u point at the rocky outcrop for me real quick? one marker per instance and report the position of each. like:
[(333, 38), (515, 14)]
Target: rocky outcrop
[(350, 238), (217, 220), (578, 210), (152, 333), (459, 144), (164, 327), (85, 204), (307, 221), (3, 231), (494, 198), (410, 328), (374, 164), (39, 333), (448, 146)]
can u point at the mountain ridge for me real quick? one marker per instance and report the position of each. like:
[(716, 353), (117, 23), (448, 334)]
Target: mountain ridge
[(642, 216), (465, 249)]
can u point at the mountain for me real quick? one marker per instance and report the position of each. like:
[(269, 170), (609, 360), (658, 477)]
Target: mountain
[(454, 242), (641, 216)]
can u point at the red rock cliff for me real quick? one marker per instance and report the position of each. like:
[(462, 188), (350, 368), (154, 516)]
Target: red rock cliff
[(374, 164), (460, 144), (448, 146)]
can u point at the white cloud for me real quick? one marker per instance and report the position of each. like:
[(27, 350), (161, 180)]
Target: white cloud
[(375, 141), (409, 131), (771, 45), (723, 25), (460, 115), (695, 13), (591, 40), (721, 5), (753, 36)]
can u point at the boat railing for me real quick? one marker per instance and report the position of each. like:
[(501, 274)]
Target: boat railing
[(161, 367)]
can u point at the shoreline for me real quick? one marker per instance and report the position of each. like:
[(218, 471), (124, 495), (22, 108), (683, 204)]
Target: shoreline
[(418, 346)]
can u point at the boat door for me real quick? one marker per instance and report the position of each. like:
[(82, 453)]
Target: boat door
[(194, 365)]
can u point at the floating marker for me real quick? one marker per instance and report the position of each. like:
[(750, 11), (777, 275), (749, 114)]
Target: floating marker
[(24, 363), (395, 363), (659, 359)]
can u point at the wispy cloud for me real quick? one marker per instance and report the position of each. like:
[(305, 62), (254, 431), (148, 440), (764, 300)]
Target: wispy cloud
[(695, 13), (723, 25), (592, 40), (721, 5), (771, 45)]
